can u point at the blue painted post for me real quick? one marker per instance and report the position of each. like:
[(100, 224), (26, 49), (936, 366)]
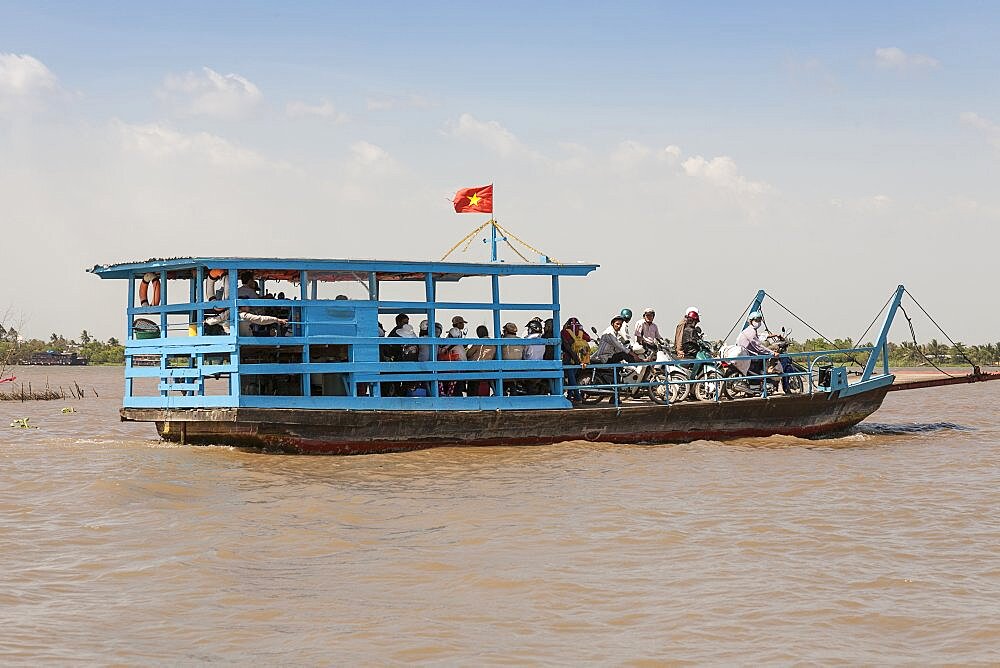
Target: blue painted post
[(430, 296), (128, 332), (493, 241), (558, 384), (497, 333), (234, 324), (881, 344), (300, 330)]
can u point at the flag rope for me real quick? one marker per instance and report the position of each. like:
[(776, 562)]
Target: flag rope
[(467, 237), (523, 243)]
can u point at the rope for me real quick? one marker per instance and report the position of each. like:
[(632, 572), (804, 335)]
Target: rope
[(467, 237), (874, 320), (813, 329), (508, 233), (516, 251), (917, 345), (953, 344)]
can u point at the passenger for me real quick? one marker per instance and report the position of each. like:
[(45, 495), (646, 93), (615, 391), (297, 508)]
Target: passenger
[(647, 334), (611, 348), (575, 351), (534, 352), (340, 298), (750, 343), (454, 353), (480, 352), (247, 319), (548, 332), (424, 352), (248, 287), (511, 352), (457, 352), (687, 334), (395, 353)]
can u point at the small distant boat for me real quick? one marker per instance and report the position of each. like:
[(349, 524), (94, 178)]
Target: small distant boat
[(315, 381)]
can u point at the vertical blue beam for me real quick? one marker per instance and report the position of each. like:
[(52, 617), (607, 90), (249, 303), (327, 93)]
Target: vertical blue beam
[(234, 325), (430, 294), (881, 344), (493, 242), (497, 333), (558, 384), (128, 330), (303, 331), (373, 286), (164, 333)]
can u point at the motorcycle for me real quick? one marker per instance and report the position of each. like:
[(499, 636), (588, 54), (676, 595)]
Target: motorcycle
[(706, 373), (738, 387), (629, 378)]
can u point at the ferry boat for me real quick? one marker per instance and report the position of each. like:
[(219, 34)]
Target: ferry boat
[(315, 381)]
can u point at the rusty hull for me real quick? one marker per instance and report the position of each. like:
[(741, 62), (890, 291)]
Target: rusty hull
[(344, 432)]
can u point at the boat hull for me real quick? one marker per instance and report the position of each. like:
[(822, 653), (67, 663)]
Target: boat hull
[(344, 432)]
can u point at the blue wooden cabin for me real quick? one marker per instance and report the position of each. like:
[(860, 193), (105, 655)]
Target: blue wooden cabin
[(328, 356)]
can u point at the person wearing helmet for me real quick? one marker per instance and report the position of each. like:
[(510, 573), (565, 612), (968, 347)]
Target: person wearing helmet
[(626, 314), (534, 352), (611, 348), (687, 334), (647, 334), (750, 343)]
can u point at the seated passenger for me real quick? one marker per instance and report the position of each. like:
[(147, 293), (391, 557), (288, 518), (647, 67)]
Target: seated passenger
[(511, 352), (248, 287), (611, 349), (246, 319), (478, 353), (575, 351), (534, 352), (750, 343)]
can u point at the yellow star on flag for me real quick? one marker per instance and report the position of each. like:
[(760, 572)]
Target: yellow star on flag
[(474, 200)]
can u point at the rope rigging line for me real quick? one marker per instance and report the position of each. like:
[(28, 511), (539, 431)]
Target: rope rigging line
[(916, 345), (524, 243), (953, 344), (874, 320), (468, 237), (813, 329)]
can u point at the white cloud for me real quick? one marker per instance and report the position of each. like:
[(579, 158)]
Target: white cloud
[(490, 134), (989, 129), (387, 102), (209, 93), (629, 154), (723, 172), (158, 142), (325, 109), (24, 81), (894, 58)]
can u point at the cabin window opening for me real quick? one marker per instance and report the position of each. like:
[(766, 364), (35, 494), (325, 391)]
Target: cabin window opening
[(146, 387), (277, 385)]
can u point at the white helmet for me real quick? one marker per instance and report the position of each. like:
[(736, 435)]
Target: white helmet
[(649, 310)]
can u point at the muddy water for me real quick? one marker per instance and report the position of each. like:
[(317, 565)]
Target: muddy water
[(879, 547)]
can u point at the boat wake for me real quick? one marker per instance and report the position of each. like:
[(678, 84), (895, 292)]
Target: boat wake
[(886, 429)]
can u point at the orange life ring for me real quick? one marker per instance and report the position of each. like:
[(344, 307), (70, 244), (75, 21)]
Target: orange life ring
[(149, 279)]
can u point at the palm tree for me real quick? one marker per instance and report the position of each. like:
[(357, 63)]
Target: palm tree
[(935, 350)]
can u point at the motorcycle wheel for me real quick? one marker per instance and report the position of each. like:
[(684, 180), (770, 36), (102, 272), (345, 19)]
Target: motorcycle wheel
[(588, 398), (668, 394), (709, 388), (731, 387), (795, 385)]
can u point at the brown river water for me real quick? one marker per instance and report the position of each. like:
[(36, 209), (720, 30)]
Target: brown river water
[(882, 546)]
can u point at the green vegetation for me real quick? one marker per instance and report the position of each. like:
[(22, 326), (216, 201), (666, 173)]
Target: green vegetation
[(910, 354), (15, 350)]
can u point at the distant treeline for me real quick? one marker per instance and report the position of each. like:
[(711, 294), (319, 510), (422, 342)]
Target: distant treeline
[(911, 354), (15, 350)]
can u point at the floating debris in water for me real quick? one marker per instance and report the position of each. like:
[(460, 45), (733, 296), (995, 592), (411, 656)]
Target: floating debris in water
[(22, 423), (68, 409)]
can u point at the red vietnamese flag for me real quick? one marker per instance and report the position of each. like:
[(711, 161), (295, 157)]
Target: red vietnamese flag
[(474, 200)]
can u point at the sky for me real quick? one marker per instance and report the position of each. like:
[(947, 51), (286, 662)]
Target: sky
[(697, 151)]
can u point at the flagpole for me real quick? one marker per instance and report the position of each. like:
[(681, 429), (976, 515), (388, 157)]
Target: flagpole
[(493, 239)]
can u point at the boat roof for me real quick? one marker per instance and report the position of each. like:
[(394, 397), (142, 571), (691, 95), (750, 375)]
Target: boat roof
[(330, 270)]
